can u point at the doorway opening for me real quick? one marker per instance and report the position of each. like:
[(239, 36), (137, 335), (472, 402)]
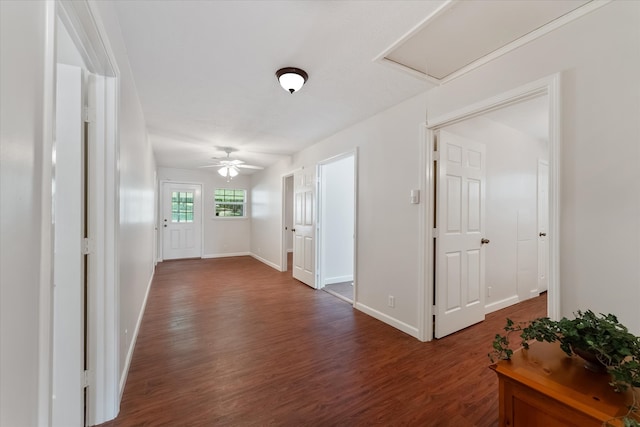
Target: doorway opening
[(336, 226), (84, 352), (494, 239)]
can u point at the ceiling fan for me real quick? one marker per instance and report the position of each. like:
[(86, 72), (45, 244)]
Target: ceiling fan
[(229, 167)]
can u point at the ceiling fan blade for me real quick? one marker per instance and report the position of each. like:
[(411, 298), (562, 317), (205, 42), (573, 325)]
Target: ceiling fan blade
[(250, 167), (226, 160)]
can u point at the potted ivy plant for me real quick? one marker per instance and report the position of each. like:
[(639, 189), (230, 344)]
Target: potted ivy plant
[(601, 340)]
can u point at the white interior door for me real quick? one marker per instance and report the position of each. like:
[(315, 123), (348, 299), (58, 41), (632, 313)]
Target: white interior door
[(69, 260), (303, 227), (181, 221), (543, 226), (460, 200)]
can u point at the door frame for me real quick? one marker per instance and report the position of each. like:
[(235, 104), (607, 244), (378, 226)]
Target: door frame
[(549, 86), (546, 164), (160, 213), (319, 273), (85, 27)]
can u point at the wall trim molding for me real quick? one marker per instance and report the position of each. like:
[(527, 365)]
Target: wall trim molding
[(499, 305), (391, 321), (265, 261), (134, 336), (226, 255)]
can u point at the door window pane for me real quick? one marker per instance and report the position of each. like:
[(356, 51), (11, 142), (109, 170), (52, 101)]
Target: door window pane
[(182, 206)]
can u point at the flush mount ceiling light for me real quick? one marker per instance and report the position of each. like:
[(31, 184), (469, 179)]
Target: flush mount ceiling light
[(291, 79)]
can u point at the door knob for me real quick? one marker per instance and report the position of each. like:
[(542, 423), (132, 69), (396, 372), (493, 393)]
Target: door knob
[(484, 241), (293, 229), (542, 234), (165, 225)]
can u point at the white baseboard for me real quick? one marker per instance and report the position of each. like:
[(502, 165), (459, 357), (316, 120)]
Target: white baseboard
[(499, 305), (407, 329), (225, 255), (265, 261), (338, 279), (134, 337)]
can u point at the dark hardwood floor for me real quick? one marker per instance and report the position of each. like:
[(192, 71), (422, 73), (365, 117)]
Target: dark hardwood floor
[(233, 342)]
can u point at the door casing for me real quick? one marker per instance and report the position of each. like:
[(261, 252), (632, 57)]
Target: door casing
[(87, 32), (543, 226), (320, 274), (549, 86)]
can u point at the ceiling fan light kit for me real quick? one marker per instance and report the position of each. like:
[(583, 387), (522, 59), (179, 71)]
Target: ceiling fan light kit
[(291, 79), (228, 172)]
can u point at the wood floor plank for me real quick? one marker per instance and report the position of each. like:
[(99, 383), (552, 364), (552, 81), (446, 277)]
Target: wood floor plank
[(231, 341)]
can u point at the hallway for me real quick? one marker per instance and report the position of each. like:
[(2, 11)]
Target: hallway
[(231, 341)]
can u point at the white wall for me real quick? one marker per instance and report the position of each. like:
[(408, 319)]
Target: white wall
[(511, 189), (388, 235), (23, 151), (137, 194), (337, 217), (221, 236), (599, 60)]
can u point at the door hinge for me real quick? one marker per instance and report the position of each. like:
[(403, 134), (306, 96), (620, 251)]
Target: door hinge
[(85, 379), (89, 114), (435, 233), (433, 309), (436, 156), (88, 246)]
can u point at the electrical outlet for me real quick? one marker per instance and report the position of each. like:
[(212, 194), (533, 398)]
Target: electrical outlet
[(392, 301)]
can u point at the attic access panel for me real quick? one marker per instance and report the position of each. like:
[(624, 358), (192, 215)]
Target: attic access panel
[(463, 32)]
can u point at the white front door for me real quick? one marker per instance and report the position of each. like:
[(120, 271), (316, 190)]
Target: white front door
[(303, 226), (460, 199), (181, 221), (543, 226)]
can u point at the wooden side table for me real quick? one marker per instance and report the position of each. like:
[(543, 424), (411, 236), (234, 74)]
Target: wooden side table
[(542, 387)]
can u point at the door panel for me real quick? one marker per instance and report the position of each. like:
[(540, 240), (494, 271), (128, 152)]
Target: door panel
[(543, 226), (181, 222), (304, 227), (460, 200)]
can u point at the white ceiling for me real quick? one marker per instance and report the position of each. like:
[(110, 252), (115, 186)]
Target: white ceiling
[(463, 31), (205, 72)]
